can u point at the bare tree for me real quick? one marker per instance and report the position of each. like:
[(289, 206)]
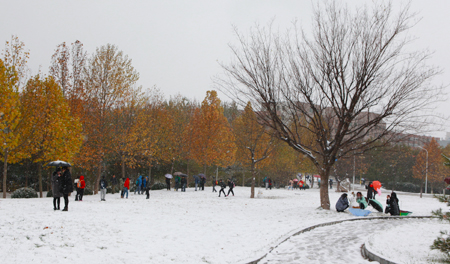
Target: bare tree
[(352, 81)]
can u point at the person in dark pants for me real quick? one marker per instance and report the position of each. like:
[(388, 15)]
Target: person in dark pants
[(331, 183), (75, 184), (66, 186), (231, 186), (56, 177), (202, 183), (168, 184), (214, 185), (370, 191), (103, 184), (222, 187), (147, 191), (81, 186), (183, 183)]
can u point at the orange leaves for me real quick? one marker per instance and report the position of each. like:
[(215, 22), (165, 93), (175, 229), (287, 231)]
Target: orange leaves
[(436, 169), (212, 142)]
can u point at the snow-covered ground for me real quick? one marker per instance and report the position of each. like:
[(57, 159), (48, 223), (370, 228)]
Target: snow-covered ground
[(171, 227)]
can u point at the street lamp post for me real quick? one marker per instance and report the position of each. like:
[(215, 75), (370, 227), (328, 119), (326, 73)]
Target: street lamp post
[(426, 169)]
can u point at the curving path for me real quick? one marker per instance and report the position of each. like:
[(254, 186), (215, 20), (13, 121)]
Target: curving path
[(336, 243)]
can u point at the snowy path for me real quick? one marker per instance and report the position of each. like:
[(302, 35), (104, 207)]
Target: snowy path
[(342, 241)]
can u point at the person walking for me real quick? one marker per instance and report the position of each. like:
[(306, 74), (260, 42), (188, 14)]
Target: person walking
[(113, 183), (231, 186), (121, 182), (196, 181), (183, 183), (56, 177), (138, 185), (266, 182), (81, 185), (168, 183), (202, 183), (214, 185), (126, 187), (270, 183), (75, 184), (331, 183), (177, 182), (144, 184), (103, 184), (291, 182), (222, 187), (66, 186)]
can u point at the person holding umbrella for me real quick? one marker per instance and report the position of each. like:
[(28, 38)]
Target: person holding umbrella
[(202, 182), (183, 182), (222, 187), (56, 177), (214, 185), (168, 177), (66, 186)]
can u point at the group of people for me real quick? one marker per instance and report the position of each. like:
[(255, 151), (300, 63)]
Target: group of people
[(61, 186), (392, 203), (268, 182), (223, 186)]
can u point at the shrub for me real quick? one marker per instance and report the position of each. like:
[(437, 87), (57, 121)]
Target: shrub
[(87, 191), (159, 186), (24, 193), (442, 242), (50, 193)]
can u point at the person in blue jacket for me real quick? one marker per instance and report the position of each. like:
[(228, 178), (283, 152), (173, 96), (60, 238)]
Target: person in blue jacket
[(138, 185), (197, 181), (144, 185)]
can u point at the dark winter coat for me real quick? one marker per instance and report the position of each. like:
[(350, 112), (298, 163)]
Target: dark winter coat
[(370, 191), (183, 180), (55, 185), (393, 202), (114, 181), (342, 203), (231, 184), (66, 185), (103, 184), (222, 185)]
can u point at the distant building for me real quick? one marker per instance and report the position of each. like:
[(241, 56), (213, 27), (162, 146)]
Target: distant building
[(446, 141)]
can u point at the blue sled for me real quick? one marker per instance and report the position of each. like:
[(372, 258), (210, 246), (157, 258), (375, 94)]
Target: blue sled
[(359, 212)]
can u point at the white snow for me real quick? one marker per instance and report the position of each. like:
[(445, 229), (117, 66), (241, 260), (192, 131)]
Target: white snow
[(171, 227)]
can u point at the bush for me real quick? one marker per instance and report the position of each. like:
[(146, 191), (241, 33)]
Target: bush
[(159, 186), (442, 242), (24, 193), (50, 193)]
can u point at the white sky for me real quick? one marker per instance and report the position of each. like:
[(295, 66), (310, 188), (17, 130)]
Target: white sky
[(176, 45)]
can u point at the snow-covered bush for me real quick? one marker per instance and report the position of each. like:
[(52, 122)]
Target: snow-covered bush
[(24, 193), (159, 186), (442, 243)]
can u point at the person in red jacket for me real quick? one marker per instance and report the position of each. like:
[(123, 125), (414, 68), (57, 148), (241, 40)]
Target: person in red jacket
[(126, 187), (81, 185)]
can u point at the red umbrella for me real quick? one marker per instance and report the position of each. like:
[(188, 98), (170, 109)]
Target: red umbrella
[(447, 180), (377, 186), (296, 180), (317, 176)]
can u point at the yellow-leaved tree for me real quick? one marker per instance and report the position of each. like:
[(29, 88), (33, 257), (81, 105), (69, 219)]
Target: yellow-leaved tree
[(253, 141), (10, 116), (57, 134), (435, 169), (212, 140)]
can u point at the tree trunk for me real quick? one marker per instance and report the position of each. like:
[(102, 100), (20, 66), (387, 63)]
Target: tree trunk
[(324, 199), (173, 164), (252, 190), (49, 180), (40, 178), (97, 181), (150, 175), (26, 174), (123, 166), (5, 170)]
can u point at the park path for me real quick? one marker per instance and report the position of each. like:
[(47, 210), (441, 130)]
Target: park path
[(338, 243)]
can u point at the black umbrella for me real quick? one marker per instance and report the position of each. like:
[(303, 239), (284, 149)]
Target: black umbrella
[(59, 163)]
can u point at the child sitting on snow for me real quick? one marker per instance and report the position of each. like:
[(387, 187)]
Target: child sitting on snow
[(361, 200)]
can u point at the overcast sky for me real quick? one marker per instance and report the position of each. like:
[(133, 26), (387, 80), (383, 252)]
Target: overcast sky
[(177, 45)]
